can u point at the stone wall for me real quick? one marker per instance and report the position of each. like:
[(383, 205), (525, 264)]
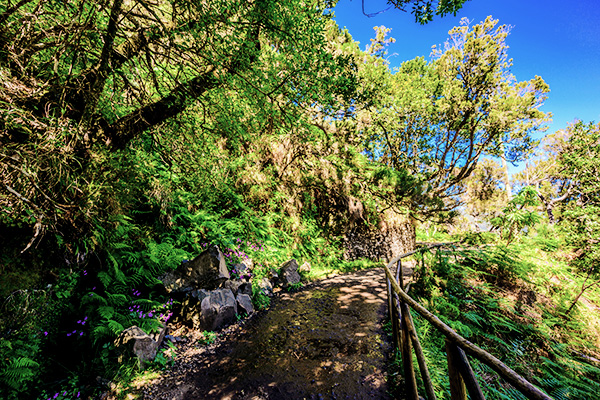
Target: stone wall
[(383, 243)]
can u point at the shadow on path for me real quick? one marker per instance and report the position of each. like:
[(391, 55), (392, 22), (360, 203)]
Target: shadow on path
[(324, 342)]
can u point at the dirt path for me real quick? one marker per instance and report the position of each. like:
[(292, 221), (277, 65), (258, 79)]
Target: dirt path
[(324, 342)]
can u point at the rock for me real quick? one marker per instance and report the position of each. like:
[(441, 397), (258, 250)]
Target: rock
[(244, 303), (144, 346), (274, 276), (243, 271), (249, 263), (233, 285), (304, 268), (240, 268), (245, 288), (265, 286), (384, 242), (171, 338), (207, 271), (289, 273), (217, 310), (190, 312)]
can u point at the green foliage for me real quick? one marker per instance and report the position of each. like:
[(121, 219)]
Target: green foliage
[(476, 238), (516, 217), (260, 300), (165, 357), (208, 337), (483, 196), (19, 372), (134, 150), (487, 295), (424, 10), (433, 233), (131, 269), (432, 122), (294, 287)]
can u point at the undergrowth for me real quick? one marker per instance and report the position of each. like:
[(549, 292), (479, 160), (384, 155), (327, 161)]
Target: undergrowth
[(115, 284), (511, 302)]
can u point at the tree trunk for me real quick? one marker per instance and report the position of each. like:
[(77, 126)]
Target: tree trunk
[(506, 175), (548, 207)]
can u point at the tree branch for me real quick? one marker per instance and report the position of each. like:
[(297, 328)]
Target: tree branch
[(103, 69), (9, 11), (126, 128)]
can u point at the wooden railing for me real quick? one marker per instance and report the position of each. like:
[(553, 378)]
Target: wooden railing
[(461, 376)]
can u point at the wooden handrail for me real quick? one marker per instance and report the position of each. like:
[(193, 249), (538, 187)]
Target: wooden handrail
[(520, 383)]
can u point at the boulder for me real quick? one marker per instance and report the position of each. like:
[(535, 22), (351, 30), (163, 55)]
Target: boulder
[(265, 286), (233, 285), (244, 303), (274, 277), (217, 310), (243, 271), (249, 263), (240, 268), (207, 271), (245, 288), (190, 313), (304, 268), (289, 273), (144, 346)]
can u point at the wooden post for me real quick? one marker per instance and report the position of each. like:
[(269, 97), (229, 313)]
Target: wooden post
[(420, 358), (407, 362), (394, 317), (468, 375), (457, 385), (400, 274), (520, 383)]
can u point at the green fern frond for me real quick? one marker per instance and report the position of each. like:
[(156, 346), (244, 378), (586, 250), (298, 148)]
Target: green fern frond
[(105, 279), (115, 327), (101, 333), (106, 312), (18, 372), (117, 299)]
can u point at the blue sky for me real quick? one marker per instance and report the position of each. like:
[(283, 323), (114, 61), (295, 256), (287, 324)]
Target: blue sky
[(557, 40)]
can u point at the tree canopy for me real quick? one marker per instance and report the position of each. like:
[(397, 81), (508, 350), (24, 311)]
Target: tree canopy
[(435, 120)]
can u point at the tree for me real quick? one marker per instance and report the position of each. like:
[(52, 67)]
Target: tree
[(435, 120), (483, 198), (516, 216), (565, 169), (423, 10), (579, 166), (567, 176), (81, 80)]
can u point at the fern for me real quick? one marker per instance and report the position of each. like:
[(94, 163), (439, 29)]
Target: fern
[(101, 334), (115, 327), (18, 372), (105, 279), (106, 312)]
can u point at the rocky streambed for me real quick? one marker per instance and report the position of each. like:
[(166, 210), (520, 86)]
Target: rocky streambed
[(323, 342)]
